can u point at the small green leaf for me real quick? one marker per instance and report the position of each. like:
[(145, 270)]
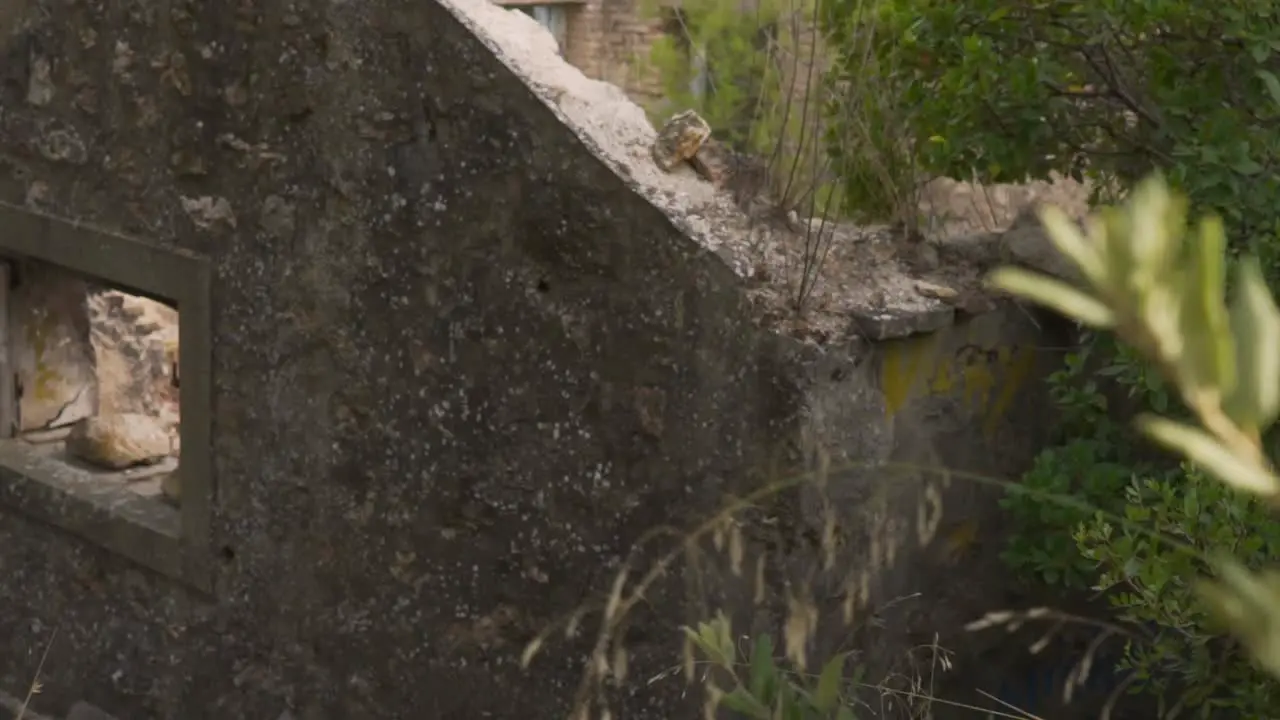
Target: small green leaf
[(1205, 450), (1246, 166), (1247, 604), (1073, 244), (1053, 294), (785, 702), (708, 639), (1208, 350), (1271, 83), (828, 692), (1255, 324), (724, 639), (1110, 228), (762, 669), (744, 702), (1149, 232)]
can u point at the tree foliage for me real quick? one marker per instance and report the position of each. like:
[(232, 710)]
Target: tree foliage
[(1110, 89)]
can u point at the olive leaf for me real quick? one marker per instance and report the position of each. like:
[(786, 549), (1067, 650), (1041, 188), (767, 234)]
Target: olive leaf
[(1209, 453), (1245, 603), (1255, 325), (1055, 294)]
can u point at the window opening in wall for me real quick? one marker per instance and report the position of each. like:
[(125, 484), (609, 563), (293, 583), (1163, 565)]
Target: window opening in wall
[(93, 378), (552, 17), (105, 391)]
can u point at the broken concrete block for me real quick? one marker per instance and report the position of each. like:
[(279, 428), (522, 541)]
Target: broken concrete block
[(492, 326), (892, 323), (136, 343), (679, 139), (713, 161), (120, 440)]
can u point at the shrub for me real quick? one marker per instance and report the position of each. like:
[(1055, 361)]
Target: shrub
[(1116, 536), (1151, 583), (1111, 89), (755, 77), (757, 686), (869, 132), (1160, 288)]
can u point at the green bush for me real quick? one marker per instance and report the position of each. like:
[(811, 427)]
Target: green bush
[(1151, 584), (869, 125), (1113, 496), (1160, 288), (1110, 89), (1087, 467)]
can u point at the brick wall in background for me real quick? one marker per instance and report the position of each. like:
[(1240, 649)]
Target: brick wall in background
[(611, 40), (608, 40)]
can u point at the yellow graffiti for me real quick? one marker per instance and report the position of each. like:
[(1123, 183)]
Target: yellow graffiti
[(986, 380), (900, 369)]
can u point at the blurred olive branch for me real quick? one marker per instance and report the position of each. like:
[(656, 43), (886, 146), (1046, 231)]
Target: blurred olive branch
[(1161, 286)]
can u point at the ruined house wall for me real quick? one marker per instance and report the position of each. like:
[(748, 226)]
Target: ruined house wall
[(459, 363), (448, 388)]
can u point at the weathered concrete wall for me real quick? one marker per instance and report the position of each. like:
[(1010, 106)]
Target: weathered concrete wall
[(910, 427), (459, 365)]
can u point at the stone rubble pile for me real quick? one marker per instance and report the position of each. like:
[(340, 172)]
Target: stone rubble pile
[(97, 372), (872, 281)]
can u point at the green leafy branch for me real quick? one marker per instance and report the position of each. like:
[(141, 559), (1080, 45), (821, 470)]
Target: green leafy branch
[(1161, 286), (768, 691)]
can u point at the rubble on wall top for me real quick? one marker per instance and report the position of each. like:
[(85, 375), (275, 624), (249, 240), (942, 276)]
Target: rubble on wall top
[(872, 283)]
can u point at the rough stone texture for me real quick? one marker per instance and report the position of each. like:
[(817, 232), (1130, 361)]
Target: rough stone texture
[(957, 209), (55, 365), (679, 139), (466, 352), (120, 440), (85, 711), (1027, 243), (135, 341)]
